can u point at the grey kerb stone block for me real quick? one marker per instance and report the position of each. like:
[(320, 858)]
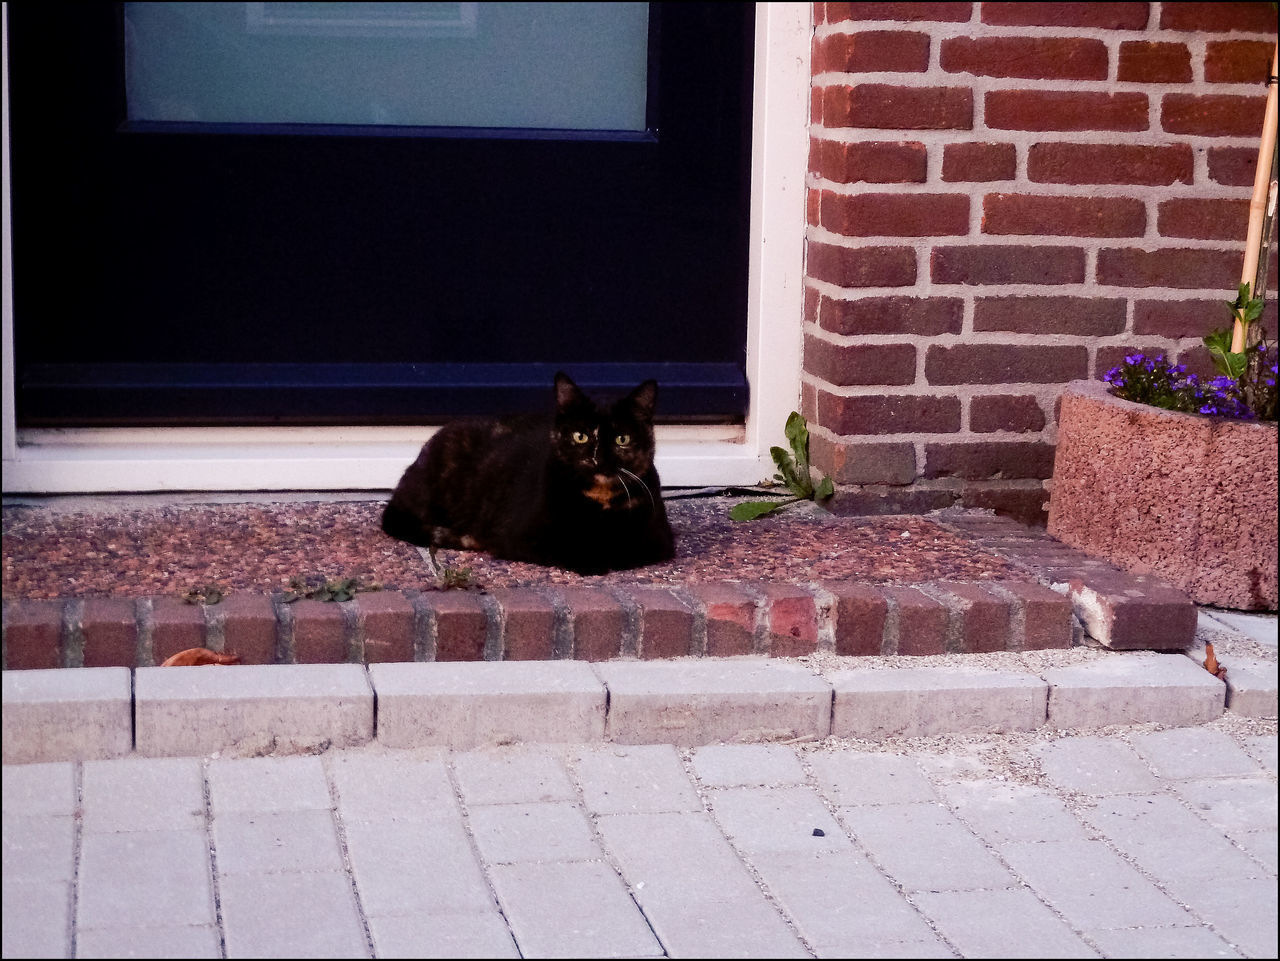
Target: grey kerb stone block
[(67, 714), (1134, 689), (690, 702), (252, 709), (924, 701), (471, 703)]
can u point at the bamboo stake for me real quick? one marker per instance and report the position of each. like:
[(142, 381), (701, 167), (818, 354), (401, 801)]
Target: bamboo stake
[(1258, 202)]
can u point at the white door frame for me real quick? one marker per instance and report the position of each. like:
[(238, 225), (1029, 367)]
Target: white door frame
[(371, 458)]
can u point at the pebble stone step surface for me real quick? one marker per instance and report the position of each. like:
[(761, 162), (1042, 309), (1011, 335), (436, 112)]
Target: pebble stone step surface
[(1065, 594)]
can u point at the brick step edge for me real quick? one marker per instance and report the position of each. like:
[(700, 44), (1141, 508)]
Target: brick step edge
[(596, 623)]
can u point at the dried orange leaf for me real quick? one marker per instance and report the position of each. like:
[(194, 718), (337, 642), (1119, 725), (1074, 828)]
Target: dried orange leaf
[(197, 656), (1211, 663)]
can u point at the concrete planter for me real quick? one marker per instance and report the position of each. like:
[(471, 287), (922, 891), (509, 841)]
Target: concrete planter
[(1189, 498)]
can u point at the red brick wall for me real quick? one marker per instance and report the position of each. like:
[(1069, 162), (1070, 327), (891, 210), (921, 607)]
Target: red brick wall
[(1004, 197)]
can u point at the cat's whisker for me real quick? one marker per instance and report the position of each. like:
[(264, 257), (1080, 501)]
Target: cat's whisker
[(624, 487), (641, 482)]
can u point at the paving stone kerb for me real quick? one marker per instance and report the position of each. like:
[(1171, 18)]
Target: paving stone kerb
[(463, 705), (1061, 592), (198, 710), (52, 715), (922, 702), (688, 703), (301, 708)]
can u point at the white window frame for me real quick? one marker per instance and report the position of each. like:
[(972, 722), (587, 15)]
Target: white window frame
[(83, 460)]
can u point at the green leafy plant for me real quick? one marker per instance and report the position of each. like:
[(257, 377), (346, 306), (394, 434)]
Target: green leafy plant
[(1244, 390), (1244, 310), (317, 589), (204, 594), (459, 578), (793, 471)]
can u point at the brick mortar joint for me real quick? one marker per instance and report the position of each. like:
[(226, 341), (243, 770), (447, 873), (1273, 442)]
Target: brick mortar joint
[(495, 628), (353, 631), (698, 641), (144, 625), (957, 609), (215, 627), (425, 627), (285, 623), (891, 638), (760, 644), (824, 602), (1017, 616), (632, 640), (563, 640)]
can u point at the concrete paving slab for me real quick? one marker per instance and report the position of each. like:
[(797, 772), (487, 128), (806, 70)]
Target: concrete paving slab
[(66, 714), (1133, 688), (814, 893), (1233, 805), (1263, 748), (1187, 752), (268, 842), (391, 787), (1091, 886), (572, 910), (1002, 812), (470, 704), (1173, 942), (311, 915), (924, 847), (143, 794), (161, 941), (689, 702), (541, 831), (39, 848), (251, 709), (1172, 845), (137, 878), (925, 701), (415, 867), (760, 820), (645, 778), (1095, 765), (443, 935), (1243, 912), (267, 784), (37, 918), (1258, 627), (744, 765), (859, 777), (48, 788), (510, 775), (1004, 922)]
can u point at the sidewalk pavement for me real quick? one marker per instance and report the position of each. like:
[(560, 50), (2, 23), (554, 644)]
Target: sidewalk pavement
[(1114, 806)]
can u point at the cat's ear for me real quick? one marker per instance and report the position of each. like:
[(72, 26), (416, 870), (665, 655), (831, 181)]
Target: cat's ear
[(643, 399), (567, 392)]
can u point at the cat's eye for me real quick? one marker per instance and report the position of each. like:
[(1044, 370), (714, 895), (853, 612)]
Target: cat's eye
[(623, 440), (578, 437)]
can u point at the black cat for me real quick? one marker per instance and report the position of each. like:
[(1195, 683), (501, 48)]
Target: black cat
[(579, 491)]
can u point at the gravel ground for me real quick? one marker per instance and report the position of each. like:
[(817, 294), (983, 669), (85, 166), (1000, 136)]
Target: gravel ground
[(131, 547)]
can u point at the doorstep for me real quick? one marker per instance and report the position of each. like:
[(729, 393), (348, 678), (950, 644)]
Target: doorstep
[(1066, 597)]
